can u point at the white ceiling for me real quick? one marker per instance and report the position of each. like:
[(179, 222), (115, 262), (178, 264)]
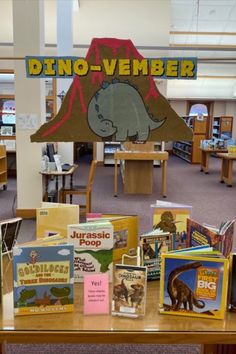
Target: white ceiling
[(210, 27)]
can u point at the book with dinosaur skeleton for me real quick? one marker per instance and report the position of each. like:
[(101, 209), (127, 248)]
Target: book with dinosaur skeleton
[(43, 275), (93, 254), (219, 238), (152, 245), (129, 290), (194, 284), (172, 217)]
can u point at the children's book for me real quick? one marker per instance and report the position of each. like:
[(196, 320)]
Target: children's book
[(125, 232), (172, 217), (43, 278), (93, 252), (152, 245), (129, 290), (194, 284), (220, 239), (232, 287), (53, 218)]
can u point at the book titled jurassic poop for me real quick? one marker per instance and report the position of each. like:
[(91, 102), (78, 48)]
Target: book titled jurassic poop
[(129, 290), (43, 275), (93, 253), (194, 284)]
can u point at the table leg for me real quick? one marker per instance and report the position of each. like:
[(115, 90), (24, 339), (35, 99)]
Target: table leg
[(222, 171), (164, 169), (71, 187), (46, 188), (56, 185), (230, 173), (115, 179), (205, 161), (227, 172)]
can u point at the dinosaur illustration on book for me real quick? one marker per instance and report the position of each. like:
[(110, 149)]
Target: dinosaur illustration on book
[(61, 294), (104, 258), (26, 295), (180, 294), (109, 119), (120, 291)]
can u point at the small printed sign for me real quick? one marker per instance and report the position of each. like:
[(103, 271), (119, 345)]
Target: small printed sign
[(96, 294)]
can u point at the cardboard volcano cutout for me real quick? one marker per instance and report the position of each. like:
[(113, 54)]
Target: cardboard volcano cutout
[(112, 105)]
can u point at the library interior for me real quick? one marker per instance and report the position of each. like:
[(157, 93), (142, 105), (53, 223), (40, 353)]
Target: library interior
[(117, 176)]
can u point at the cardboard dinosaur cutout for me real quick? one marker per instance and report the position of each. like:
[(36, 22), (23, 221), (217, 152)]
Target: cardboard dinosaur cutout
[(116, 107)]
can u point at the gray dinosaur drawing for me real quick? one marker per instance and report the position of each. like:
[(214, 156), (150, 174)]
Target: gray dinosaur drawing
[(118, 108)]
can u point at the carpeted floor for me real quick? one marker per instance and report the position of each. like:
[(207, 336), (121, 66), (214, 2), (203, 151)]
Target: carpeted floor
[(212, 203), (101, 349)]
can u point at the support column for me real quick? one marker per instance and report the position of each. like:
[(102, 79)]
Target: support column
[(64, 48), (28, 32)]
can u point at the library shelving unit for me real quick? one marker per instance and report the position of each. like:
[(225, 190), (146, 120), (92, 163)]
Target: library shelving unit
[(3, 167), (190, 150), (110, 147), (222, 127)]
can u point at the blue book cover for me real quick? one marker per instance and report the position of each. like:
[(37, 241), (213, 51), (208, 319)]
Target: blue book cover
[(43, 279)]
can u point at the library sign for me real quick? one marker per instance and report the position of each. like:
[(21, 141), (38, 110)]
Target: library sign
[(113, 95), (67, 67)]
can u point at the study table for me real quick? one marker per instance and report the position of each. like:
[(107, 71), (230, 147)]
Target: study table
[(48, 175), (138, 174), (205, 156), (77, 328), (227, 168)]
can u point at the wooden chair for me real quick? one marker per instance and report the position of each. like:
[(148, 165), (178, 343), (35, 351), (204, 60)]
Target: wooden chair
[(9, 230), (85, 190)]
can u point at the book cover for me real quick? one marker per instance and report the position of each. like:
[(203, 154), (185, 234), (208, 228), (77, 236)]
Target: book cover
[(221, 240), (232, 287), (43, 279), (125, 232), (129, 290), (53, 218), (152, 245), (96, 294), (93, 251), (172, 217), (194, 285)]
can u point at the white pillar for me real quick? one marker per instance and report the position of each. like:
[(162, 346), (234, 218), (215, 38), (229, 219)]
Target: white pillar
[(28, 32), (64, 47)]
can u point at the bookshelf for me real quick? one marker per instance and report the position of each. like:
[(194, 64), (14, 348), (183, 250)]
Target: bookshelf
[(110, 147), (3, 167), (222, 127), (190, 150)]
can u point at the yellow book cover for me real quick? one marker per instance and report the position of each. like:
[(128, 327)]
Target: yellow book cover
[(194, 285), (53, 218), (125, 232)]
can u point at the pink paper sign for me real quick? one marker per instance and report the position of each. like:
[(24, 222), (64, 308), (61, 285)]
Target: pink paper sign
[(96, 294)]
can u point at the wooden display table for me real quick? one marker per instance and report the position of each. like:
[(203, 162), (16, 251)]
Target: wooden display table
[(77, 328), (138, 173), (227, 168), (205, 155)]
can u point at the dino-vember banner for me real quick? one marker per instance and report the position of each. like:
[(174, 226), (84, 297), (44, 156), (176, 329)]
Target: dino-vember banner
[(67, 67), (113, 95)]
